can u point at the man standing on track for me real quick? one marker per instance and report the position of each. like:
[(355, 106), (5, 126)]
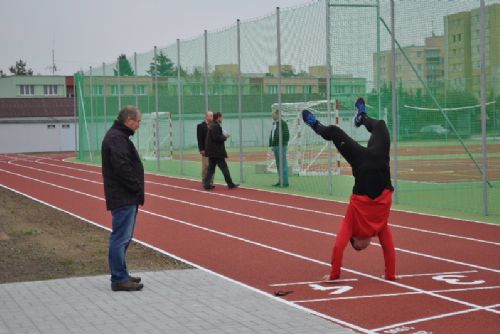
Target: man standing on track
[(123, 176), (370, 203), (274, 143), (201, 134)]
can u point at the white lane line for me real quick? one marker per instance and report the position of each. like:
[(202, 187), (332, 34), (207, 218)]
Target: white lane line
[(434, 274), (316, 282), (275, 249), (251, 288), (62, 159), (440, 316), (274, 222), (397, 294), (421, 230)]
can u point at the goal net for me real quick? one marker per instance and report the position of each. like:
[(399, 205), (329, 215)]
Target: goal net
[(154, 138), (308, 153)]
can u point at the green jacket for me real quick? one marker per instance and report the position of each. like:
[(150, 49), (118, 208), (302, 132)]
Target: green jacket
[(275, 140)]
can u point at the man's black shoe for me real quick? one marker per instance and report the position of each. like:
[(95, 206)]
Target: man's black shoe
[(232, 186), (127, 286)]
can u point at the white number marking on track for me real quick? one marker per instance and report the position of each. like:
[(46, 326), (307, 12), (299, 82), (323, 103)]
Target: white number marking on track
[(455, 279), (339, 289)]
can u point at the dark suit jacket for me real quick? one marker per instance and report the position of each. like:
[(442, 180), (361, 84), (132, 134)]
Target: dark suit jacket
[(201, 133), (214, 145)]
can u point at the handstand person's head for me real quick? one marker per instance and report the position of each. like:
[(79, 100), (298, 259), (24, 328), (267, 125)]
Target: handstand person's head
[(359, 244)]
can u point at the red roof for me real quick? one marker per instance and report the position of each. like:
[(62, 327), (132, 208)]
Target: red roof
[(36, 107)]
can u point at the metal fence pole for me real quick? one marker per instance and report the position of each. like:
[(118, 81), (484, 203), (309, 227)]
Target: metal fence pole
[(240, 115), (104, 108), (75, 112), (483, 106), (157, 121), (279, 126), (94, 125), (136, 93), (205, 35), (394, 107), (328, 64), (379, 71), (119, 86), (179, 102)]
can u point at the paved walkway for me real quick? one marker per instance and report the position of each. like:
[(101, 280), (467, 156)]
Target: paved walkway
[(173, 301)]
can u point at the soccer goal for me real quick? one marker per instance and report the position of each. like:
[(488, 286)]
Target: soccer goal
[(308, 153), (155, 136)]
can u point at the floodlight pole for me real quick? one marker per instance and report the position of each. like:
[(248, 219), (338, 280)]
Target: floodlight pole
[(482, 20)]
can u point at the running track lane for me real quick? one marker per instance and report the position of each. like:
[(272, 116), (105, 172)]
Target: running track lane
[(245, 263)]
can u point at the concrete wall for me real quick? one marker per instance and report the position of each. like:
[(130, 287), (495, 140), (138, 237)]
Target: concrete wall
[(40, 136)]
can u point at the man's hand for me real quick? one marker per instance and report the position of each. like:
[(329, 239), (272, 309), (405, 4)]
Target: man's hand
[(202, 153)]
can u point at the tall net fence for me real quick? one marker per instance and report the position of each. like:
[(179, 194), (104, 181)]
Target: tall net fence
[(323, 55)]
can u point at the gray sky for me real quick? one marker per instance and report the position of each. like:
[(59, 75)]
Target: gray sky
[(88, 32)]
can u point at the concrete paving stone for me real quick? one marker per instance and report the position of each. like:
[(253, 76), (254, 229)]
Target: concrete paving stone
[(176, 301)]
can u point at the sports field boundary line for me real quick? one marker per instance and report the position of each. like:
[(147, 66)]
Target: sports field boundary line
[(278, 250), (159, 250), (270, 221)]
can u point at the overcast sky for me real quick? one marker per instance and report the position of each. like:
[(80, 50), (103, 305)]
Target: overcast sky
[(89, 32)]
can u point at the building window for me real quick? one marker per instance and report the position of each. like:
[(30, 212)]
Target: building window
[(97, 90), (114, 90), (419, 54), (289, 89), (51, 126), (65, 126), (273, 89), (307, 89), (138, 89), (49, 89), (27, 89)]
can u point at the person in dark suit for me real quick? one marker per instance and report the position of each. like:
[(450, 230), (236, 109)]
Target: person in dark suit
[(274, 143), (215, 150), (201, 132)]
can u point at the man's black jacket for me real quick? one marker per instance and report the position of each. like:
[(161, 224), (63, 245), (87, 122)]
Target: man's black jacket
[(214, 145), (201, 133), (122, 169)]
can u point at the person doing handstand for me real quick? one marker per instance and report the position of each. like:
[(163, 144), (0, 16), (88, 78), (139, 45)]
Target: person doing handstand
[(371, 199)]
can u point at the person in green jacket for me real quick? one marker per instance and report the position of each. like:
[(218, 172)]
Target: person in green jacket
[(274, 143)]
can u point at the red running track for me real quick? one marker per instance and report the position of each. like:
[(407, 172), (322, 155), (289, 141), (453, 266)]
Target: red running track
[(449, 269)]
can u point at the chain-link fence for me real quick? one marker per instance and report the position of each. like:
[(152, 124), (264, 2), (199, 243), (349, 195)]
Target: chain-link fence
[(440, 96)]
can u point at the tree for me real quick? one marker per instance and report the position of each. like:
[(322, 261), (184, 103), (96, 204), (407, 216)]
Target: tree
[(162, 66), (2, 74), (124, 67), (20, 68)]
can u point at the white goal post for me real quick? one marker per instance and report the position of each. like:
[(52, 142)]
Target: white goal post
[(308, 153), (156, 128)]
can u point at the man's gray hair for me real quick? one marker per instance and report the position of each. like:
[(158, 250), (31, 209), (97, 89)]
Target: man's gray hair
[(128, 112)]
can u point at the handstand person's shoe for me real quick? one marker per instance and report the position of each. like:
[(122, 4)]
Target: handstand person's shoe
[(361, 114), (309, 118)]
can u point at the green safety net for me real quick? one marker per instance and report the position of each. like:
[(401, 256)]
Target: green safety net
[(437, 142)]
